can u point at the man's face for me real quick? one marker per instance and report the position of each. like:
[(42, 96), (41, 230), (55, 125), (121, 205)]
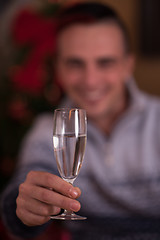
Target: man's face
[(93, 67)]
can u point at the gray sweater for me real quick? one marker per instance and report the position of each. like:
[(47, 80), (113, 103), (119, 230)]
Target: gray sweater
[(120, 174)]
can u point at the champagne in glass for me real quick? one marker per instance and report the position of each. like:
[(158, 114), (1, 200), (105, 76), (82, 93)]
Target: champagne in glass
[(69, 141)]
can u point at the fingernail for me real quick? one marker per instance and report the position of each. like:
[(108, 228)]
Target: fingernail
[(74, 206), (73, 193)]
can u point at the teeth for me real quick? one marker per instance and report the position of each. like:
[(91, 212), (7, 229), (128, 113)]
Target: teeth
[(94, 95)]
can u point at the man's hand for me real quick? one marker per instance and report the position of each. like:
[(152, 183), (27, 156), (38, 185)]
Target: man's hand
[(42, 195)]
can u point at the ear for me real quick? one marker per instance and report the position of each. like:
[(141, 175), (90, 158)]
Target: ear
[(130, 65)]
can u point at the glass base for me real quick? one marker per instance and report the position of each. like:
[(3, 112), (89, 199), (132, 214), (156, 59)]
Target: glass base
[(68, 216)]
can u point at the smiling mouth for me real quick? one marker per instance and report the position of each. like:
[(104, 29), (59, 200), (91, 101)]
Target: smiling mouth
[(95, 96)]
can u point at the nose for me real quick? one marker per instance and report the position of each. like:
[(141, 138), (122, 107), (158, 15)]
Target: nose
[(91, 77)]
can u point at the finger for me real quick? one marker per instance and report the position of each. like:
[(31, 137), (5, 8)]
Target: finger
[(56, 199), (50, 197), (51, 181), (78, 191), (31, 219), (36, 207)]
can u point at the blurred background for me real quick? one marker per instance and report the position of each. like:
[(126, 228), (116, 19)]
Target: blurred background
[(27, 84)]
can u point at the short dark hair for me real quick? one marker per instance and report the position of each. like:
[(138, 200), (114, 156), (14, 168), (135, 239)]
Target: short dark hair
[(88, 13)]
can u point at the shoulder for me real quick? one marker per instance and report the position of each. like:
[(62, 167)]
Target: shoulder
[(41, 128), (44, 120), (151, 109), (152, 103), (37, 144), (141, 101)]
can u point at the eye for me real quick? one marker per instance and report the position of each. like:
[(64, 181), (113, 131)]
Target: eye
[(106, 62), (74, 64)]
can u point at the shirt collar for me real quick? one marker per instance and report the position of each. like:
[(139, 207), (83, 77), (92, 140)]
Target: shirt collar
[(137, 97)]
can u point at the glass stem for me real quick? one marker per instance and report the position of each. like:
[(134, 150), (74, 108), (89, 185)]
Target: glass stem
[(67, 212)]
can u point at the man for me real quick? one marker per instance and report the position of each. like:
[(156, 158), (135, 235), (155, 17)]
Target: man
[(119, 178)]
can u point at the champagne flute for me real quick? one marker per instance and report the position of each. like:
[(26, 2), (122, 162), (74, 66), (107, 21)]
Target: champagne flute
[(69, 141)]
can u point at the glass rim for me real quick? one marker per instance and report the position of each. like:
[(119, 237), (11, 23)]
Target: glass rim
[(69, 109)]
